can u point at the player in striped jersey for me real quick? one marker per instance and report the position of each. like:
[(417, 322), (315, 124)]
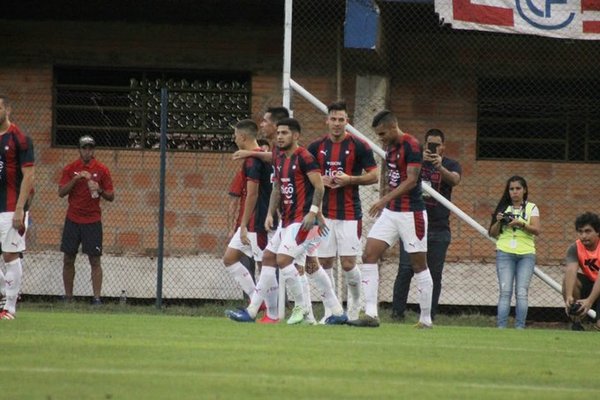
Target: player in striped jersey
[(298, 193), (343, 158), (256, 176), (16, 184), (401, 214)]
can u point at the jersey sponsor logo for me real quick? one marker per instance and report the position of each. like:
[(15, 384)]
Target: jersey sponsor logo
[(394, 178), (287, 191)]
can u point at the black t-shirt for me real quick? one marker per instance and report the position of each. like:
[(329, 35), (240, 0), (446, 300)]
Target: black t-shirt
[(437, 214)]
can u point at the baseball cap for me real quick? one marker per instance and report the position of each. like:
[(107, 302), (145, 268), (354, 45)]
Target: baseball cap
[(87, 141)]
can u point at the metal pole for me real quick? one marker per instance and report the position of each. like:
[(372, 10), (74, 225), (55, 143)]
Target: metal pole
[(164, 102), (461, 214), (287, 54)]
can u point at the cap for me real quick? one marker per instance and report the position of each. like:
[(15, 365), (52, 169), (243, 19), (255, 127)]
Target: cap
[(87, 141)]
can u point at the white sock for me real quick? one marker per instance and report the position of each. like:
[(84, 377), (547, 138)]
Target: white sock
[(272, 294), (291, 277), (12, 279), (306, 292), (329, 273), (353, 278), (242, 276), (267, 284), (425, 291), (323, 285), (370, 285), (2, 284)]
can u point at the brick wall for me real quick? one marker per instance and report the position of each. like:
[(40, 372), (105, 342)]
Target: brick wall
[(196, 184)]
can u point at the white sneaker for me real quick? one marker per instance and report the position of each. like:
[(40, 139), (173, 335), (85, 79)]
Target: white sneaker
[(309, 319)]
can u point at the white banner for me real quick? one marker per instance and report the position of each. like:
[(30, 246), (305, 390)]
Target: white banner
[(566, 19)]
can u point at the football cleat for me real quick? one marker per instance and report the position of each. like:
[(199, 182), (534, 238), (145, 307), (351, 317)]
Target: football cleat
[(421, 325), (365, 321), (6, 315), (239, 315), (297, 316), (336, 320), (267, 320)]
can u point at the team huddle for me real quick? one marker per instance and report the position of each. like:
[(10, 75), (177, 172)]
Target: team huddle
[(310, 211)]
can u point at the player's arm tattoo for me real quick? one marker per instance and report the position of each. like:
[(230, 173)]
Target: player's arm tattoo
[(275, 197), (317, 181)]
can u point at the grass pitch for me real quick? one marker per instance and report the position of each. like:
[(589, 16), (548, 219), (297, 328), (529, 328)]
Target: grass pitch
[(57, 354)]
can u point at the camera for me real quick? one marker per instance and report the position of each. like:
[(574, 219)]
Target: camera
[(507, 218), (574, 309), (432, 147)]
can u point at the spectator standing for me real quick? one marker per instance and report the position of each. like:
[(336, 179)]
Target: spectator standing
[(515, 224), (17, 175), (342, 158), (442, 174), (85, 181), (581, 289), (401, 214)]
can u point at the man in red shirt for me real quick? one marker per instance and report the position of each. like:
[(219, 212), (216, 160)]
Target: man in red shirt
[(16, 185), (581, 288), (86, 181)]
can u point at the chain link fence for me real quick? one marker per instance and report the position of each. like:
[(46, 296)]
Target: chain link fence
[(508, 104)]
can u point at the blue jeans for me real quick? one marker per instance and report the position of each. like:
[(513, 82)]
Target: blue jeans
[(437, 246), (513, 268)]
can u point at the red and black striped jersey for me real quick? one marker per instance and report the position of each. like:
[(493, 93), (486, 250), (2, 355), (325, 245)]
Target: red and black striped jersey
[(16, 152), (351, 156), (259, 172), (296, 190), (405, 152)]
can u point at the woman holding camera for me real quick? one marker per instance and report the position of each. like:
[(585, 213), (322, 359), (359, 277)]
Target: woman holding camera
[(515, 223)]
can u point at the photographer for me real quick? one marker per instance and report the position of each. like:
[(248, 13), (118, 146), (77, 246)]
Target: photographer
[(441, 173), (515, 223), (581, 289)]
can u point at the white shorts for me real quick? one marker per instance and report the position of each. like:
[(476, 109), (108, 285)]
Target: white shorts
[(409, 226), (274, 239), (289, 246), (11, 240), (253, 250), (343, 238)]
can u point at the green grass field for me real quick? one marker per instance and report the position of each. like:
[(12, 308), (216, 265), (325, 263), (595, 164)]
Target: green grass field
[(58, 354)]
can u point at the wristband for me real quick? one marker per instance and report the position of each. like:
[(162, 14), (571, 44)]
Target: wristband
[(314, 209)]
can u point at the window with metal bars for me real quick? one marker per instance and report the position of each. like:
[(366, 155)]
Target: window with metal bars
[(543, 119), (121, 107)]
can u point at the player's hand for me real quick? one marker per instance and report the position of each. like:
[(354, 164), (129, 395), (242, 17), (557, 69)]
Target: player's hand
[(376, 209), (269, 222), (328, 181), (584, 306), (18, 220), (240, 154), (342, 179), (244, 235), (309, 221), (323, 228)]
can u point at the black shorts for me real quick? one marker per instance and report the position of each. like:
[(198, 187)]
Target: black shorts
[(88, 235), (586, 290)]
